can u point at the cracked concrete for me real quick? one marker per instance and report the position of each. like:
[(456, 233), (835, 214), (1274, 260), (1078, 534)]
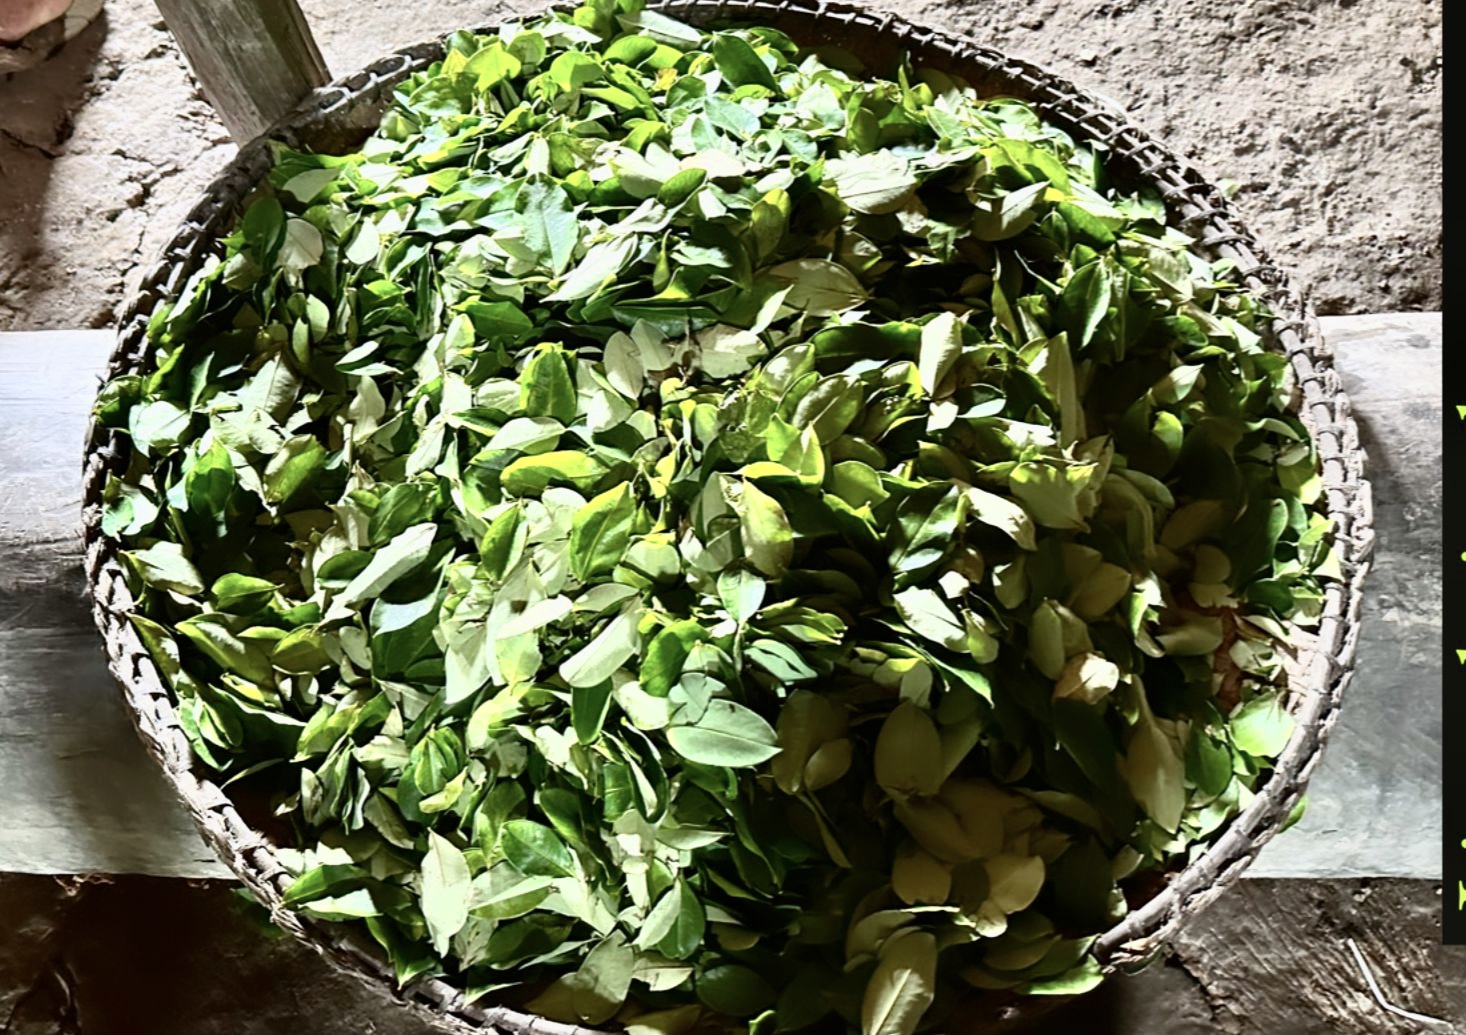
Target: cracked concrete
[(1273, 936), (88, 139), (1325, 113)]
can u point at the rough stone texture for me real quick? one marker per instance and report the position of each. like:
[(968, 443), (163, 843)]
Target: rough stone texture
[(102, 150), (1271, 956), (1235, 957), (150, 956), (143, 955), (1326, 113)]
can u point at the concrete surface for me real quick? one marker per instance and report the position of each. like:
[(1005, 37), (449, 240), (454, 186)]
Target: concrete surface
[(82, 796), (143, 956), (1374, 806), (1325, 113)]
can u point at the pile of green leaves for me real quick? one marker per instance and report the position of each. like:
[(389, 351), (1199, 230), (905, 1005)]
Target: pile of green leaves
[(688, 535)]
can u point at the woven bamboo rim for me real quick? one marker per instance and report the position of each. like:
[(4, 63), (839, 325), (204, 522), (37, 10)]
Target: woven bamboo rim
[(341, 113)]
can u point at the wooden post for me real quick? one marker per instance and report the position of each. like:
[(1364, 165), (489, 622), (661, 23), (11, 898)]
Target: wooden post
[(255, 59)]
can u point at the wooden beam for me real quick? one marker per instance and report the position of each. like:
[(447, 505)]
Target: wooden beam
[(255, 59)]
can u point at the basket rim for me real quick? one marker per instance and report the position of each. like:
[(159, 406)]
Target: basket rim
[(1198, 207)]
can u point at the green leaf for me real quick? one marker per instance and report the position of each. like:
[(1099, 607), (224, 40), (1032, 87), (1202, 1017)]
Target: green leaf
[(727, 734), (926, 524), (545, 388), (1085, 301), (725, 351), (941, 344), (818, 286), (908, 755), (739, 64), (230, 651), (588, 708), (597, 268), (353, 905), (928, 615), (263, 226), (402, 555), (598, 660), (742, 593), (767, 535), (158, 425), (534, 435), (1156, 774), (1005, 216), (1055, 365), (767, 223), (874, 183), (1002, 514), (1014, 881), (903, 985), (681, 187), (1199, 635), (164, 566), (601, 984), (1100, 591), (1261, 726), (1087, 677), (828, 408), (532, 475), (305, 187), (301, 247), (207, 487), (675, 925), (405, 505), (662, 661), (1049, 493), (1208, 762), (601, 533), (534, 850), (551, 227), (445, 891), (241, 594), (298, 463), (807, 723), (1085, 977), (320, 881), (366, 245), (734, 991)]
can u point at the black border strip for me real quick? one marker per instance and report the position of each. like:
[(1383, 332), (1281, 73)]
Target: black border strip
[(1453, 629)]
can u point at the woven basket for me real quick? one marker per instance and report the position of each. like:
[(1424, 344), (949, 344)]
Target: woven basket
[(338, 116)]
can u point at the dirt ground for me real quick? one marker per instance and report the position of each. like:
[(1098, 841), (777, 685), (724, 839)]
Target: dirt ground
[(1326, 114)]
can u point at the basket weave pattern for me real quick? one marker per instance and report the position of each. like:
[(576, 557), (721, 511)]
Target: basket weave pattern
[(350, 107)]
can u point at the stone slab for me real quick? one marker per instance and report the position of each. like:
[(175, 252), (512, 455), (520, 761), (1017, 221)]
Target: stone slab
[(1374, 805), (81, 796)]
